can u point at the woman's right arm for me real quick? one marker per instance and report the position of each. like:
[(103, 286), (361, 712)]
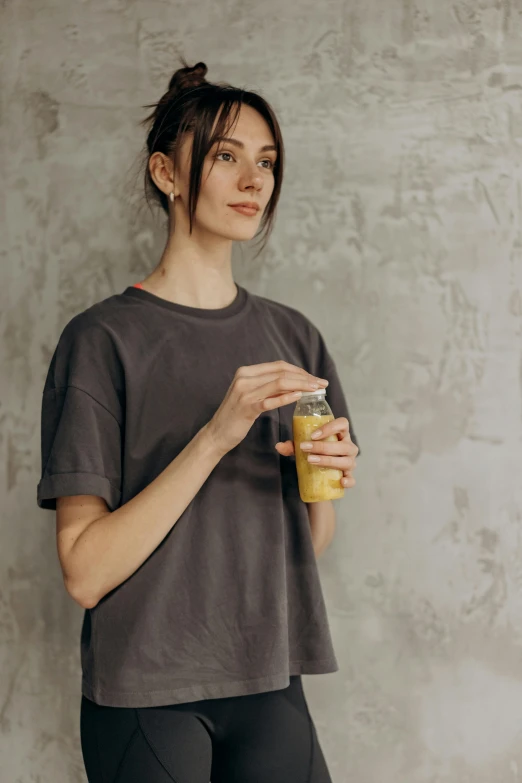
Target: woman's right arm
[(99, 549)]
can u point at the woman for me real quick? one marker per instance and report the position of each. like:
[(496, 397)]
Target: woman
[(167, 453)]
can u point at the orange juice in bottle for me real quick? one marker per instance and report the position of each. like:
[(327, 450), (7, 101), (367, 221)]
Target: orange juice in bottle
[(315, 482)]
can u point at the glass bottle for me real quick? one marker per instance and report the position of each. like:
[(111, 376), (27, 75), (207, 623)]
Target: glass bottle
[(316, 482)]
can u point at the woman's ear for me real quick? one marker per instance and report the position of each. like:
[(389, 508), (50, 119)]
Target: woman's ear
[(162, 172)]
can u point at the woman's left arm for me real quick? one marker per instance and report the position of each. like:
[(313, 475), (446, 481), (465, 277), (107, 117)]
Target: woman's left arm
[(322, 524), (339, 454)]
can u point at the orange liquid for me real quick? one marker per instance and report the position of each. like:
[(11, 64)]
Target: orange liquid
[(315, 482)]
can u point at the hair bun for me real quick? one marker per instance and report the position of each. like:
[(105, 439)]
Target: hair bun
[(189, 76)]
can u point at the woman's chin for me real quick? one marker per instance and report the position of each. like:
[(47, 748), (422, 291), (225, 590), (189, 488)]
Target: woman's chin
[(242, 235)]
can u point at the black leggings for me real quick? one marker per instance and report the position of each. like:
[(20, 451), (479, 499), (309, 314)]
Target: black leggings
[(259, 738)]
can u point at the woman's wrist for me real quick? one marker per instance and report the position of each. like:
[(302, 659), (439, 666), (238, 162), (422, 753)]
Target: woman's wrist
[(211, 446)]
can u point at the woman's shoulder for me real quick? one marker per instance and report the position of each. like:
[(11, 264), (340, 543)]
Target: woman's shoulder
[(89, 346), (105, 315), (286, 314)]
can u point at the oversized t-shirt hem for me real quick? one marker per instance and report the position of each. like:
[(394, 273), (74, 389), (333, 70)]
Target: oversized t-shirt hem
[(200, 692)]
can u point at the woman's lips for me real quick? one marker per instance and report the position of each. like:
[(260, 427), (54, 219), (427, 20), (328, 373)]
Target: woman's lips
[(245, 210)]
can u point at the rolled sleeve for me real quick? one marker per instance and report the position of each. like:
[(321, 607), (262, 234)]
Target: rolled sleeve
[(81, 448)]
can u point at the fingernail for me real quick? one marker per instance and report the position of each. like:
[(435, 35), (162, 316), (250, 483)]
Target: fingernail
[(305, 445), (314, 458), (316, 434)]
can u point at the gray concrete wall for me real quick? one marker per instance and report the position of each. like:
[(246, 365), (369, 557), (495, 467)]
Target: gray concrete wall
[(399, 233)]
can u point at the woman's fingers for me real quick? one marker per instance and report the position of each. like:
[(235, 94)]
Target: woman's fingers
[(331, 448), (275, 368), (329, 453), (275, 386), (286, 449), (341, 463), (333, 427)]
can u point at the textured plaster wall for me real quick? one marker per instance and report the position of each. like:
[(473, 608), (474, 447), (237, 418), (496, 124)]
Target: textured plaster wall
[(400, 234)]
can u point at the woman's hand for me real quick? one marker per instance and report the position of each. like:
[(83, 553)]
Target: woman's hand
[(340, 455), (256, 388)]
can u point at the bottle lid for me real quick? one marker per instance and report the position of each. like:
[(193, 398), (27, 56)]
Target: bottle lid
[(315, 393)]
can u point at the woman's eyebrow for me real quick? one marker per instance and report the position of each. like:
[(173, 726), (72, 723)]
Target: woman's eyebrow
[(237, 143)]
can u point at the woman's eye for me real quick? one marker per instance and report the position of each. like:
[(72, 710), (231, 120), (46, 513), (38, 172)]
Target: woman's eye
[(267, 160)]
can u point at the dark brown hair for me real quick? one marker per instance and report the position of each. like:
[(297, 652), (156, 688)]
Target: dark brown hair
[(191, 105)]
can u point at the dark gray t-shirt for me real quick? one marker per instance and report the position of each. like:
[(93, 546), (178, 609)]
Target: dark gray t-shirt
[(230, 602)]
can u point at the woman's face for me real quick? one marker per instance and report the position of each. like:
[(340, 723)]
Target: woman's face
[(232, 173)]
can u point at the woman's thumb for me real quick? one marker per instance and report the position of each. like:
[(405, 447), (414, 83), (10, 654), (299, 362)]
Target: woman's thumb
[(286, 448)]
